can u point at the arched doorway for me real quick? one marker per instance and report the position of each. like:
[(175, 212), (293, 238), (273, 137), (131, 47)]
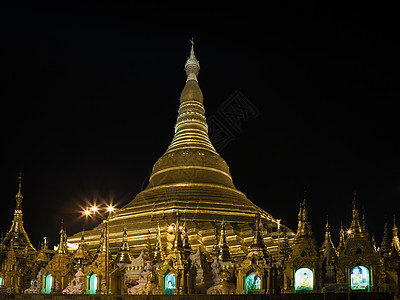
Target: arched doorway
[(169, 284), (252, 283), (359, 279), (303, 280)]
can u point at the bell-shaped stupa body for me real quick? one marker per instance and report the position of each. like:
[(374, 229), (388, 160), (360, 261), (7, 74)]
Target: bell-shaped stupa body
[(192, 178)]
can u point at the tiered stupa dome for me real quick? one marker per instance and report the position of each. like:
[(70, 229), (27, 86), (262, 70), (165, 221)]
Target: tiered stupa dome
[(192, 178)]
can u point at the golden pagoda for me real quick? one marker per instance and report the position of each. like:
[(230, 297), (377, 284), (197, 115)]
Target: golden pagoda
[(17, 234), (17, 255), (192, 178)]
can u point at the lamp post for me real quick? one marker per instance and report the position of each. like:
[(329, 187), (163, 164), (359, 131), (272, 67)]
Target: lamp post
[(95, 211)]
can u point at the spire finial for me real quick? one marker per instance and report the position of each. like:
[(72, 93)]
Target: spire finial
[(18, 196), (19, 181), (192, 65), (395, 239), (355, 227), (327, 227)]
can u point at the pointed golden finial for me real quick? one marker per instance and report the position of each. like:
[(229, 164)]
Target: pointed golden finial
[(19, 181), (192, 65), (18, 196), (327, 227)]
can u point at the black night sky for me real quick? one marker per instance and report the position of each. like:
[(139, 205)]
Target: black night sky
[(90, 94)]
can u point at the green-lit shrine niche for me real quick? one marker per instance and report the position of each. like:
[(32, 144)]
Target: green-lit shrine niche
[(303, 280), (253, 283), (92, 284), (48, 283), (169, 284), (359, 279), (1, 281)]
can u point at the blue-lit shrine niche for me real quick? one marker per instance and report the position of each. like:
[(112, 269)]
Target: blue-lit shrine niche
[(359, 279), (48, 283), (169, 284), (303, 280), (92, 284), (1, 281), (253, 283)]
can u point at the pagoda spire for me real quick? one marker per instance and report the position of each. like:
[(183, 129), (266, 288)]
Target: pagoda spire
[(178, 244), (300, 218), (158, 253), (17, 233), (395, 239), (386, 244), (102, 245), (191, 147), (62, 247), (18, 196), (224, 254), (327, 248), (216, 242), (304, 228), (124, 255), (355, 227), (364, 224), (192, 66), (341, 238), (185, 243), (258, 241), (81, 254), (373, 242)]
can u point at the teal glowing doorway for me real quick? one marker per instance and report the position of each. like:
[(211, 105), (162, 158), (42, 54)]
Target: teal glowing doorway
[(169, 284), (359, 279), (48, 284), (253, 283), (93, 284), (303, 280), (1, 281)]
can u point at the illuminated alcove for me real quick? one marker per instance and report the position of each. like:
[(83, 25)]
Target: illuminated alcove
[(359, 279), (92, 286), (48, 283), (303, 280), (169, 284), (253, 283)]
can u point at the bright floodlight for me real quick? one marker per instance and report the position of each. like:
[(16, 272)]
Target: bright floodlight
[(110, 209), (94, 208), (86, 212)]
